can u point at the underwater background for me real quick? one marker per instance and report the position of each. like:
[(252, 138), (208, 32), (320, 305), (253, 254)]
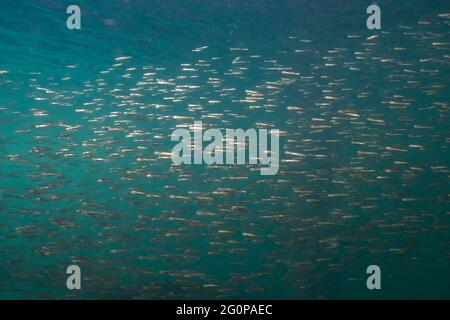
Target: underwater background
[(85, 123)]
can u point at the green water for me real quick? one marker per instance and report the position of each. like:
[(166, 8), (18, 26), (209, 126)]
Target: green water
[(364, 149)]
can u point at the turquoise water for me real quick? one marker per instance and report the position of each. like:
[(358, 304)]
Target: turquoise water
[(85, 123)]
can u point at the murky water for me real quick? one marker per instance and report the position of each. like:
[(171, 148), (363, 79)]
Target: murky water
[(85, 123)]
